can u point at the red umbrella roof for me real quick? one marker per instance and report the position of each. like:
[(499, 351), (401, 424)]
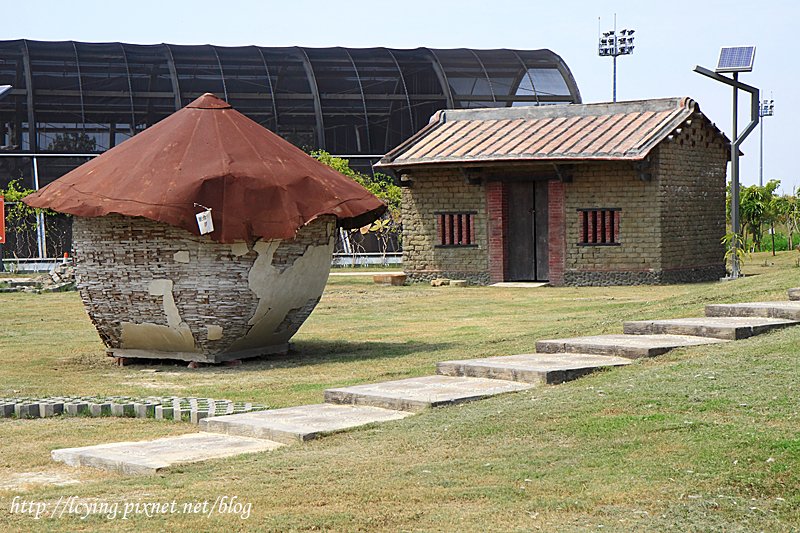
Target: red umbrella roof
[(208, 154)]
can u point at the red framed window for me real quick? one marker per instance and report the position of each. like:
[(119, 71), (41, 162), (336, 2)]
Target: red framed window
[(599, 226), (456, 228)]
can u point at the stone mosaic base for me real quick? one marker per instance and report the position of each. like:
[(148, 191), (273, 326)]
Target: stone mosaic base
[(161, 408)]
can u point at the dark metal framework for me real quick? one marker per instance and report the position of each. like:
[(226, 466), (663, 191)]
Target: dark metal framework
[(354, 102), (71, 100)]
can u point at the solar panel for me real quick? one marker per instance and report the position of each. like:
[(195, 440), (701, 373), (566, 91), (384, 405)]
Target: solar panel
[(736, 59)]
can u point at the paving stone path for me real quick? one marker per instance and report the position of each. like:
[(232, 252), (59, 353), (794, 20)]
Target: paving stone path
[(162, 408), (556, 361)]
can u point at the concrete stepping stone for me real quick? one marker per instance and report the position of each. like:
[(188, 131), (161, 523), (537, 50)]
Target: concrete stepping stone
[(416, 394), (730, 328), (632, 346), (298, 424), (151, 457), (531, 368), (794, 293), (786, 310)]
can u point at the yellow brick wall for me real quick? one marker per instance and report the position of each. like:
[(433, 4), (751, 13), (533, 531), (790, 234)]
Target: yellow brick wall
[(614, 185), (434, 191), (691, 177)]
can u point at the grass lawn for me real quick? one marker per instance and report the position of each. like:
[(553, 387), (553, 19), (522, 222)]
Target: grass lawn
[(700, 439)]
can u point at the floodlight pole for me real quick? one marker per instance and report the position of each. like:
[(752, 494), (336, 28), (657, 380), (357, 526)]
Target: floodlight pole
[(615, 44), (761, 153), (737, 141), (764, 110), (616, 51), (614, 93)]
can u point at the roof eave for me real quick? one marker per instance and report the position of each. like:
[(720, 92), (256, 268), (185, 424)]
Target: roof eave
[(436, 120), (446, 162)]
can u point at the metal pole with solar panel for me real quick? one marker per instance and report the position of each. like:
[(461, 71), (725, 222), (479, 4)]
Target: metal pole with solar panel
[(733, 60)]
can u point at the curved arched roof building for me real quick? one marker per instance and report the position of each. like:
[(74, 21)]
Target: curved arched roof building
[(351, 102), (69, 100)]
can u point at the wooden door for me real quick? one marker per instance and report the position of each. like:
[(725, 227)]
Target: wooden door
[(527, 231)]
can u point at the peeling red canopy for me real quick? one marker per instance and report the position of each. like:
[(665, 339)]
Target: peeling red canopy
[(256, 183)]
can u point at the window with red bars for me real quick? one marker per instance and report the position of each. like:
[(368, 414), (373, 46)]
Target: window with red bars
[(456, 229), (599, 227)]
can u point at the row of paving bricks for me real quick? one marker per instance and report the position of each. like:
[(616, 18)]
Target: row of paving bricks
[(556, 361), (161, 408)]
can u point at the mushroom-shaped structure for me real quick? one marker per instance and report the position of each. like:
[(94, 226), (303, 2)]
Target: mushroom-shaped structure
[(154, 286)]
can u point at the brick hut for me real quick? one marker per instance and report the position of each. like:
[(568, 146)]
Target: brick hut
[(154, 286), (597, 194)]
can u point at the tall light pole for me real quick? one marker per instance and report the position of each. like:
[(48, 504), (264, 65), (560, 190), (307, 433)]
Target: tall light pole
[(613, 44), (766, 109), (733, 60)]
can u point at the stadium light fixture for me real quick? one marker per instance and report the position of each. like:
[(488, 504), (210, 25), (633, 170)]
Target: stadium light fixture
[(613, 44)]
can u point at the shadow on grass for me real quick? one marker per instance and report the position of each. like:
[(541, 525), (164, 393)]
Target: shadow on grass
[(340, 351), (305, 353)]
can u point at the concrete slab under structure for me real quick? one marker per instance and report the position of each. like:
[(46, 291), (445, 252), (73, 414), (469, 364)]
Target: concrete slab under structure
[(416, 394), (366, 272), (729, 328), (787, 310), (297, 424), (531, 368), (151, 457), (519, 284), (632, 346)]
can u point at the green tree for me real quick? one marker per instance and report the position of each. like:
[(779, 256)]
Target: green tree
[(75, 142), (21, 218), (791, 215), (382, 186), (757, 210), (18, 215)]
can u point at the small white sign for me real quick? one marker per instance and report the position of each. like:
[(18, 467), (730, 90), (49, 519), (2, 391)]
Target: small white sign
[(204, 222)]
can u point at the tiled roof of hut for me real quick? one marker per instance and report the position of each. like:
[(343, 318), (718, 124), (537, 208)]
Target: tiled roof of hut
[(208, 154), (607, 131)]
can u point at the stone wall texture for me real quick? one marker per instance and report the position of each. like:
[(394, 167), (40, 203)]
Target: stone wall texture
[(613, 185), (691, 173), (671, 218), (423, 259), (151, 287), (670, 224)]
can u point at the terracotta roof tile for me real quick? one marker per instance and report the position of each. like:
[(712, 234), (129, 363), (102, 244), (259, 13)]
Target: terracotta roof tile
[(609, 131)]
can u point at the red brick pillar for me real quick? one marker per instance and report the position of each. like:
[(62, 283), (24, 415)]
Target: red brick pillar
[(497, 220), (556, 232)]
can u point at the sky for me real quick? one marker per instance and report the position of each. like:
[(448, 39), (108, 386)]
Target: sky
[(671, 37)]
